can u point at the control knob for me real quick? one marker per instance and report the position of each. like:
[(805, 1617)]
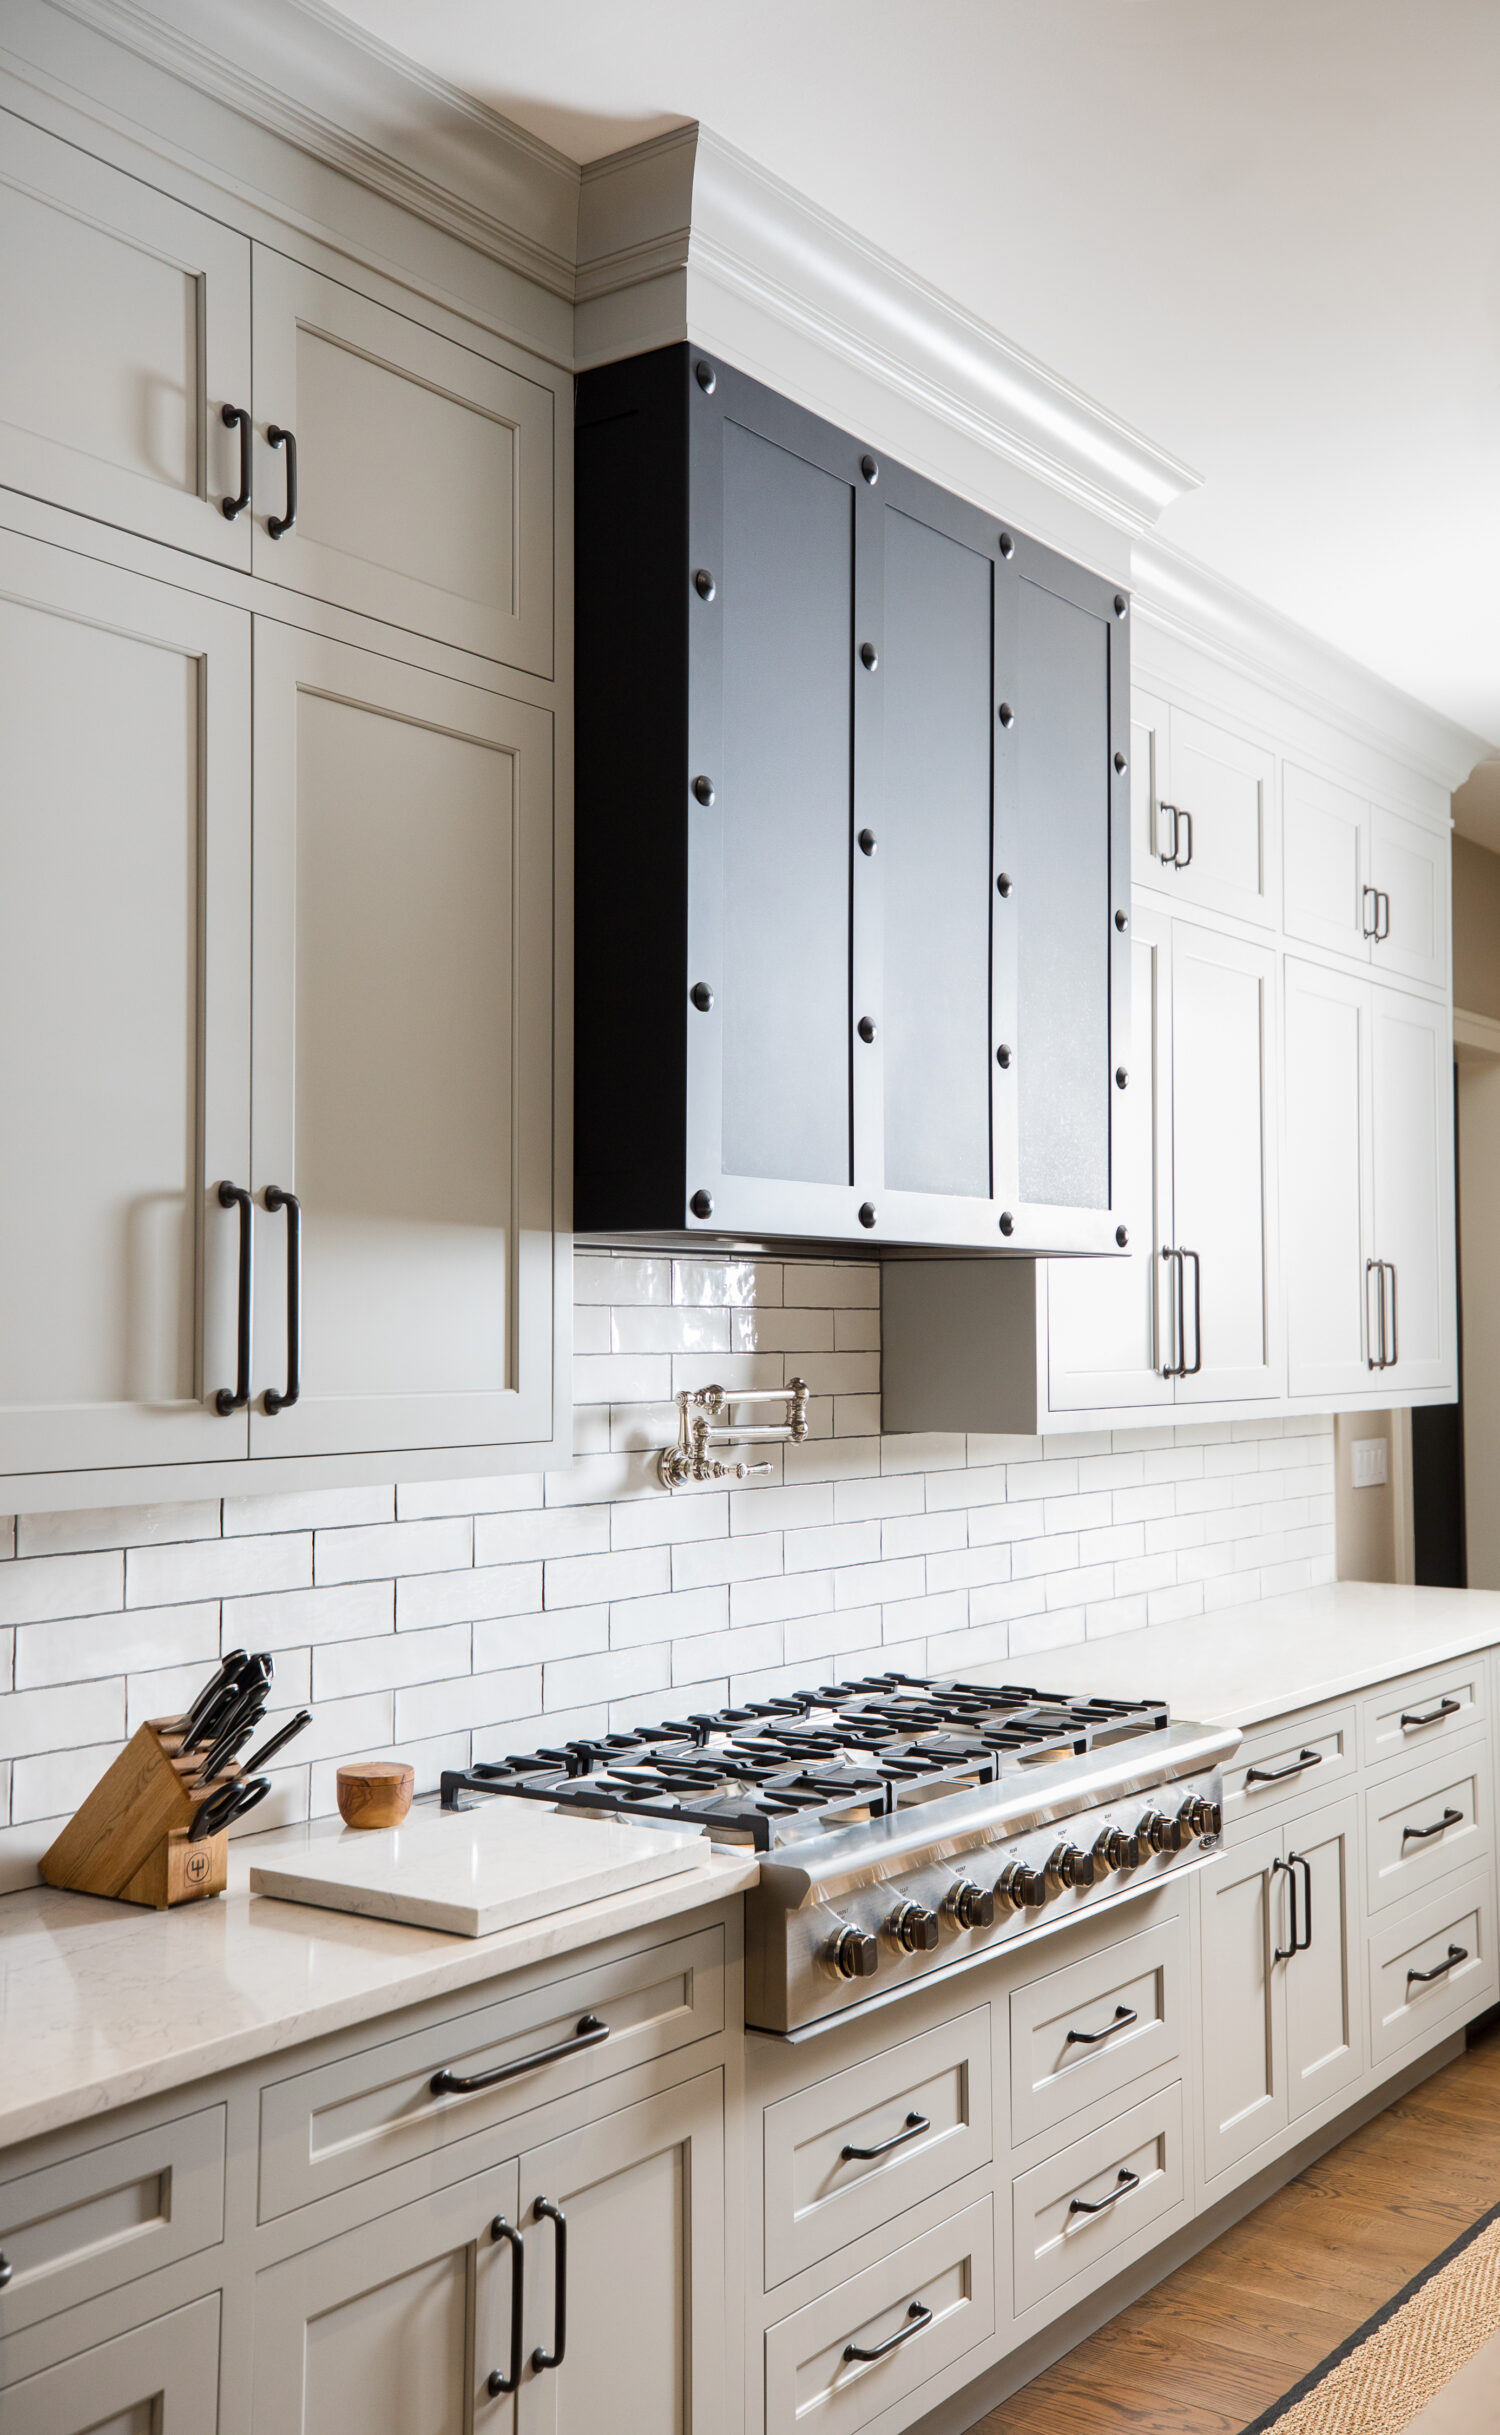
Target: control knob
[(1020, 1888), (1117, 1850), (1070, 1866), (1204, 1817), (853, 1953), (913, 1928), (1153, 1831), (969, 1905)]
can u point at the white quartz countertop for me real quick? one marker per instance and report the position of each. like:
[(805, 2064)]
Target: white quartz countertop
[(1246, 1664), (102, 2003)]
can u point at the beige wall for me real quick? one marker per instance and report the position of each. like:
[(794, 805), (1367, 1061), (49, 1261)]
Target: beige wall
[(1364, 1519), (1476, 928)]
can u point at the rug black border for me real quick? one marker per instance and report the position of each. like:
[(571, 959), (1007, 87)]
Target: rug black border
[(1315, 2375)]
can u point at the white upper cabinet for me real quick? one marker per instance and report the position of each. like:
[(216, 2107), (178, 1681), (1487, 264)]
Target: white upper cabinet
[(126, 320), (398, 473), (124, 1007), (1410, 868), (403, 1053), (1328, 1180), (1412, 1217), (1204, 817), (1364, 881), (1224, 1127)]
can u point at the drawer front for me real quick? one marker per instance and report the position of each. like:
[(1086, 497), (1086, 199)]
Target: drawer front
[(1422, 1823), (1433, 1968), (924, 2107), (159, 2379), (1094, 2028), (1072, 2230), (938, 2292), (329, 2128), (1405, 1718), (78, 2229), (1295, 1761)]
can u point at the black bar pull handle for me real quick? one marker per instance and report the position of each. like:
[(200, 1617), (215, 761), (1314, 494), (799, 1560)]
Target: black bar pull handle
[(1369, 929), (280, 437), (1432, 1716), (544, 2210), (1374, 1360), (918, 2318), (1395, 1325), (1424, 1978), (1283, 1953), (6, 2270), (227, 1401), (913, 2128), (1168, 859), (1303, 1944), (1091, 2037), (1124, 2184), (1197, 1361), (1383, 919), (277, 1199), (1421, 1834), (229, 416), (1177, 1368), (497, 2383), (1278, 1775), (1179, 859), (590, 2032)]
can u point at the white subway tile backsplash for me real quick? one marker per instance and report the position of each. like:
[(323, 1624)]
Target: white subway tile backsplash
[(460, 1619)]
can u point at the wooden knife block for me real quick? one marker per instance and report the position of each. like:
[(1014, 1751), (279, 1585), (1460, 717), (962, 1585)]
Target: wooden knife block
[(129, 1841)]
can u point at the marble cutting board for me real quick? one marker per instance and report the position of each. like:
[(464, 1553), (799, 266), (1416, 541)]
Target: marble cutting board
[(476, 1870)]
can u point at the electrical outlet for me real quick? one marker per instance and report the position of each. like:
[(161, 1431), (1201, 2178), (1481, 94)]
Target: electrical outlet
[(1369, 1462)]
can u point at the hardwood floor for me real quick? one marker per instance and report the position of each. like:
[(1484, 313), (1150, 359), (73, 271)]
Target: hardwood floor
[(1224, 2337)]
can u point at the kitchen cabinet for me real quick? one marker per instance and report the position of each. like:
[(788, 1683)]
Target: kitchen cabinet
[(1282, 2026), (163, 2376), (1224, 1147), (849, 818), (127, 339), (1205, 829), (1365, 881), (1369, 1193)]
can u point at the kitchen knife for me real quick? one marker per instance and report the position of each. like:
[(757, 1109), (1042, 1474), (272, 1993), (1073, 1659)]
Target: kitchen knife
[(231, 1801), (223, 1753), (234, 1732), (219, 1681), (278, 1741), (226, 1710)]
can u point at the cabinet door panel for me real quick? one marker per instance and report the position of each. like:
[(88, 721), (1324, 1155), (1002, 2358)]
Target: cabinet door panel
[(394, 2328), (1327, 1180), (643, 2195), (1244, 2028), (127, 328), (1325, 859), (1150, 837), (1410, 863), (1226, 783), (1223, 1161), (1325, 2017), (124, 960), (424, 470), (403, 1011), (1105, 1330), (158, 2379), (1412, 1204)]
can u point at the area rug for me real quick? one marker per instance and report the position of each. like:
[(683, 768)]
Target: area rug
[(1397, 2363)]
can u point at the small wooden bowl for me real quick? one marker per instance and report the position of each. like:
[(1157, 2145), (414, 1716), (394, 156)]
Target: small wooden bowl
[(377, 1792)]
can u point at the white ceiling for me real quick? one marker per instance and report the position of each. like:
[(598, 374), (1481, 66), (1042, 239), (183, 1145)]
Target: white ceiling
[(1265, 231)]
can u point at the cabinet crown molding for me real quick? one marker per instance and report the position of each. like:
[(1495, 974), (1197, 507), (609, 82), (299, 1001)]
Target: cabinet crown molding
[(689, 207)]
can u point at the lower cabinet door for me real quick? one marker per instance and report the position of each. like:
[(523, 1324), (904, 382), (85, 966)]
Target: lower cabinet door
[(1325, 2016), (625, 2303), (1244, 2020), (163, 2377), (394, 2328)]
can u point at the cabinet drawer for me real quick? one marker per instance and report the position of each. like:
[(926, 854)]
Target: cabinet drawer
[(162, 2377), (1408, 1716), (339, 2124), (1295, 1760), (939, 2292), (1422, 1823), (926, 2104), (80, 2228), (1090, 2030), (1071, 2232), (1404, 2005)]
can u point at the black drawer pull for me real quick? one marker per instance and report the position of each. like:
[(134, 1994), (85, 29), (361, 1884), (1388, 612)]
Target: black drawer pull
[(6, 2270), (1433, 1716), (918, 2319), (544, 2210), (590, 2032), (1091, 2037), (1419, 1834), (1279, 1775), (234, 1399), (916, 2124), (1424, 1978), (281, 438), (229, 416), (1127, 2182), (497, 2383), (281, 1399)]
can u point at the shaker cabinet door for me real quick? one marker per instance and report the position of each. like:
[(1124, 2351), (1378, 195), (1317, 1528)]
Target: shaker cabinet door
[(1325, 2010), (127, 332), (423, 470), (1411, 1227), (1330, 1295), (1243, 2029), (1327, 892), (1224, 1083), (403, 989), (1409, 864), (124, 998)]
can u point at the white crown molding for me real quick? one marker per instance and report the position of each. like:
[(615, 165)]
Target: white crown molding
[(689, 201), (1184, 598), (308, 75)]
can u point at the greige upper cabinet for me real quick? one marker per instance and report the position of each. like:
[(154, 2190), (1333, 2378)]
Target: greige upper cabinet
[(127, 339), (402, 993), (1205, 824), (399, 473)]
